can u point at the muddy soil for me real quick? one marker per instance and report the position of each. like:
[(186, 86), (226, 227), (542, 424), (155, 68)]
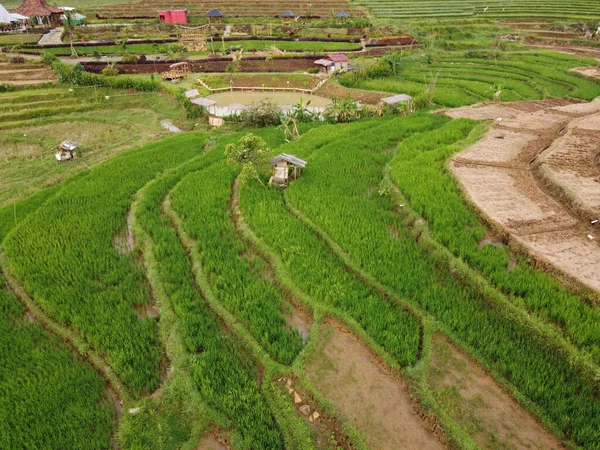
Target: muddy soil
[(211, 442), (489, 414), (373, 398), (534, 174)]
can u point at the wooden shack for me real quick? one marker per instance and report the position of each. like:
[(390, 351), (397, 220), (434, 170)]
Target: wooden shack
[(66, 150), (177, 71), (333, 64), (215, 16), (286, 167)]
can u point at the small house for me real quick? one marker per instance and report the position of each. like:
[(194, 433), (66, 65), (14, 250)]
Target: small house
[(66, 150), (343, 16), (286, 167), (42, 12), (333, 63), (9, 20), (287, 17), (177, 71), (173, 16), (215, 16)]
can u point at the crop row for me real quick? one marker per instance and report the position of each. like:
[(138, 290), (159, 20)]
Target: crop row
[(236, 277), (65, 255), (421, 159), (340, 194), (220, 367), (49, 398)]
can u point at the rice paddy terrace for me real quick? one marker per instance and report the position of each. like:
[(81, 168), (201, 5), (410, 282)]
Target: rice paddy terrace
[(482, 9)]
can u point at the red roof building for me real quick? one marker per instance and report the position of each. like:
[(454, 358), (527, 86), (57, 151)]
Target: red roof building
[(333, 63), (173, 16), (42, 11)]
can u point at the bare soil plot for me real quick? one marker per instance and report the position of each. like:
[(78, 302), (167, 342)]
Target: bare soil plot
[(22, 74), (491, 416), (535, 174), (211, 442), (375, 400)]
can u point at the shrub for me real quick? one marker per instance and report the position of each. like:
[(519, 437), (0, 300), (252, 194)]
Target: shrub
[(130, 58), (261, 114), (110, 71)]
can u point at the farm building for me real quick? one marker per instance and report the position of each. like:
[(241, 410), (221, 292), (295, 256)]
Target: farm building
[(333, 63), (45, 15), (206, 103), (215, 16), (282, 165), (66, 150), (173, 16)]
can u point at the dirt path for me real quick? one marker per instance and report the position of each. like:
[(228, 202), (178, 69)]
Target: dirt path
[(375, 400), (501, 175), (472, 397)]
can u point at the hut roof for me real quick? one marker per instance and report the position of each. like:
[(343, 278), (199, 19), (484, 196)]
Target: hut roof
[(215, 13), (343, 14), (292, 159), (338, 58), (192, 93), (400, 98), (206, 102), (37, 8), (68, 145), (287, 14), (324, 62)]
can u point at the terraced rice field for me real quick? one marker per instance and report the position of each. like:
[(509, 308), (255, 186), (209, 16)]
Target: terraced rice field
[(481, 9), (25, 74), (104, 122), (462, 79), (197, 10)]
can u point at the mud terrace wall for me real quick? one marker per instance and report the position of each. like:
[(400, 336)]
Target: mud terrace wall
[(535, 176)]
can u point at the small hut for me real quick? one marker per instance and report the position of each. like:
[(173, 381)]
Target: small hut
[(343, 16), (44, 14), (177, 71), (215, 16), (66, 150), (283, 165), (333, 63), (173, 16), (287, 17), (206, 103)]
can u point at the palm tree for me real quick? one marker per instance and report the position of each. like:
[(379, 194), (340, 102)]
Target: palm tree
[(69, 25)]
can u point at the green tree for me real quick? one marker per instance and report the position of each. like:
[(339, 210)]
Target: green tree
[(253, 154)]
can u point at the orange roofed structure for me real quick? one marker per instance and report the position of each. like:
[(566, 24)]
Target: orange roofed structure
[(44, 13)]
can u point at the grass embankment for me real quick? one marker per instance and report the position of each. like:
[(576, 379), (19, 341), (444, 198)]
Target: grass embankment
[(475, 76), (342, 199), (33, 121)]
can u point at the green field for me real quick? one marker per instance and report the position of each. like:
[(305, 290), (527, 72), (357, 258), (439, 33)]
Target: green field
[(155, 295), (473, 76)]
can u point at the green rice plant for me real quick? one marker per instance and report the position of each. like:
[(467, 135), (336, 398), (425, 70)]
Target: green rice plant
[(343, 199), (49, 397), (453, 223), (237, 278), (67, 256), (221, 368)]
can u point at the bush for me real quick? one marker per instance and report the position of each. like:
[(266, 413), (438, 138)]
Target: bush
[(261, 114), (78, 75), (49, 58), (313, 70), (110, 71), (130, 58)]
